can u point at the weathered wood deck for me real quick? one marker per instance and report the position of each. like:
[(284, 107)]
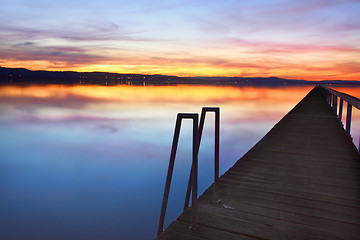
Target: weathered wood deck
[(301, 181)]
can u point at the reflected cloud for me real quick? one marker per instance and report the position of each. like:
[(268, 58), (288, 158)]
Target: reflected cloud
[(36, 118), (107, 128), (80, 96)]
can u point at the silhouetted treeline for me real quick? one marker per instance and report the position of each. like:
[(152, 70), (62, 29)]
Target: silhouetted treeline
[(25, 76)]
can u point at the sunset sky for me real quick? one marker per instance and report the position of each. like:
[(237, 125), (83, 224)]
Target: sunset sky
[(299, 39)]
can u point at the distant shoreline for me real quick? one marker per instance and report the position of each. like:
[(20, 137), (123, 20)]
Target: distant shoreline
[(22, 76)]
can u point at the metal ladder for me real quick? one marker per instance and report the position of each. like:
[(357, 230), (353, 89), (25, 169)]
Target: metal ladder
[(193, 176)]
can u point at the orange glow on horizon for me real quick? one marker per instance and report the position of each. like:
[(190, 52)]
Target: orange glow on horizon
[(343, 72)]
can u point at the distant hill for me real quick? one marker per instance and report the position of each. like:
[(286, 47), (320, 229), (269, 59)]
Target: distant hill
[(25, 76)]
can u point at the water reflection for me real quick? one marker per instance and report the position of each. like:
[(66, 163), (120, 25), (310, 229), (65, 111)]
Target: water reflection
[(89, 162)]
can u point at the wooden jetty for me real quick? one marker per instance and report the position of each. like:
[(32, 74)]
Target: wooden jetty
[(301, 181)]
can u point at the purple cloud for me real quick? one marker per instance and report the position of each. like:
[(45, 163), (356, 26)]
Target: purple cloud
[(99, 31)]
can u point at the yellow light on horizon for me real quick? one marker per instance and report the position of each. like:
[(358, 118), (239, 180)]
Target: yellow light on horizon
[(319, 72)]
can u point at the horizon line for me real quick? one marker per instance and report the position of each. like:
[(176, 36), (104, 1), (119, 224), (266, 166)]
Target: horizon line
[(169, 75)]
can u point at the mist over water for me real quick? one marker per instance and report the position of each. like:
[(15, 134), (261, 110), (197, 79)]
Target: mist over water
[(90, 162)]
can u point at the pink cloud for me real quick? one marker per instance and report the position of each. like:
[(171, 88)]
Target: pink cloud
[(276, 47)]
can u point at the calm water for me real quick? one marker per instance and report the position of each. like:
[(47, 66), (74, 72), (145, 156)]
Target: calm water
[(89, 162)]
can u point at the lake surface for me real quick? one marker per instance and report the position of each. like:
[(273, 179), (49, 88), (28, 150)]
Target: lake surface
[(90, 162)]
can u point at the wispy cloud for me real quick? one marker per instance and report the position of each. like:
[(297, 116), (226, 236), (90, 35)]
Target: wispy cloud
[(69, 56), (23, 44), (101, 31)]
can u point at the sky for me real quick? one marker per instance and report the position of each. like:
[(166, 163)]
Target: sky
[(297, 39)]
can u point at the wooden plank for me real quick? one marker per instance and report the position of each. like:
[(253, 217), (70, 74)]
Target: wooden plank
[(170, 234), (300, 193), (326, 171), (250, 200), (210, 233), (265, 227), (230, 193), (282, 159), (295, 179)]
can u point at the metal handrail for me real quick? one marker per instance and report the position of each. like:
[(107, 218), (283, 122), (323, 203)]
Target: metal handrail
[(204, 110), (193, 178), (195, 118), (346, 97), (332, 96)]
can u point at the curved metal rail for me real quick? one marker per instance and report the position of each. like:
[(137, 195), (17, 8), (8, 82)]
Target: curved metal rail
[(193, 178)]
